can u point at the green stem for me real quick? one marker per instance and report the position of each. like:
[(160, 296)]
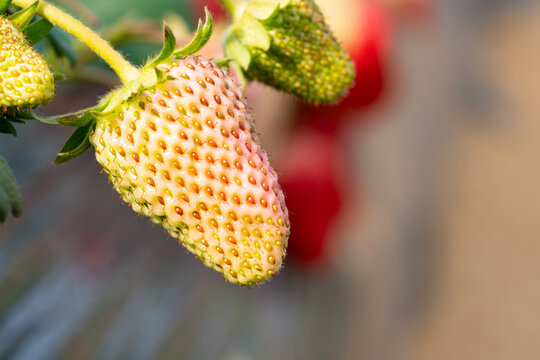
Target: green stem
[(234, 7), (125, 70)]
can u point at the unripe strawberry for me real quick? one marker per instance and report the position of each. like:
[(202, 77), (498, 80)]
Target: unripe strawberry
[(367, 42), (25, 78), (291, 49), (183, 152), (304, 58)]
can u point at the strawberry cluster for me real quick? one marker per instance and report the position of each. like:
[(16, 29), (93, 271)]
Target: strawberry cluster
[(177, 138), (304, 58)]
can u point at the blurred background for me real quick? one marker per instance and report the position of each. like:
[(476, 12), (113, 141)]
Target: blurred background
[(415, 204)]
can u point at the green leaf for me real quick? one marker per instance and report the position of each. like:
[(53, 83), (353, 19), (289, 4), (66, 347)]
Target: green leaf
[(38, 30), (283, 3), (236, 50), (262, 10), (7, 120), (4, 4), (169, 44), (49, 120), (59, 76), (19, 117), (6, 127), (147, 78), (77, 143), (76, 119), (10, 196), (5, 205), (251, 32), (16, 120), (201, 37), (24, 116), (22, 18)]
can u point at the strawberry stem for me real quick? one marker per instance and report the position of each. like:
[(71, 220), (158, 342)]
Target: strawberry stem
[(125, 70)]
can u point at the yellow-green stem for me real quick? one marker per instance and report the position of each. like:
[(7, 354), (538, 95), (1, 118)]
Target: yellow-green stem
[(125, 70)]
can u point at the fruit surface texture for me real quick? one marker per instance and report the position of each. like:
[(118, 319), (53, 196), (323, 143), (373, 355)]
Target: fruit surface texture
[(184, 153), (304, 57), (25, 78)]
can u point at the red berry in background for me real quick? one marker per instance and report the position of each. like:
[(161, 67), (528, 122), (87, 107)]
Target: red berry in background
[(197, 8), (309, 174), (369, 54), (366, 40)]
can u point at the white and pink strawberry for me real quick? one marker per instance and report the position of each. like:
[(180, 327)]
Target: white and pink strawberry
[(184, 153)]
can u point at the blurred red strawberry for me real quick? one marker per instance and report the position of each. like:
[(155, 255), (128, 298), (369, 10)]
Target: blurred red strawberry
[(369, 54), (367, 44), (309, 174), (215, 7)]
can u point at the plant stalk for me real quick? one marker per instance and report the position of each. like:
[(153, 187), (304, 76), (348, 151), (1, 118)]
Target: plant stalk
[(125, 70)]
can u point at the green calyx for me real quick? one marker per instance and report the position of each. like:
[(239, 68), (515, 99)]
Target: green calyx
[(22, 18), (286, 44), (150, 76), (248, 30), (204, 31)]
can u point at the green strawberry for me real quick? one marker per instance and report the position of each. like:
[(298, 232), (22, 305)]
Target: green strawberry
[(25, 78), (287, 45), (182, 150)]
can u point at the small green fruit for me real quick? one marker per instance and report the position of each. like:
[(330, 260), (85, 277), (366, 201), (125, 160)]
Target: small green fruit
[(25, 78), (292, 50)]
